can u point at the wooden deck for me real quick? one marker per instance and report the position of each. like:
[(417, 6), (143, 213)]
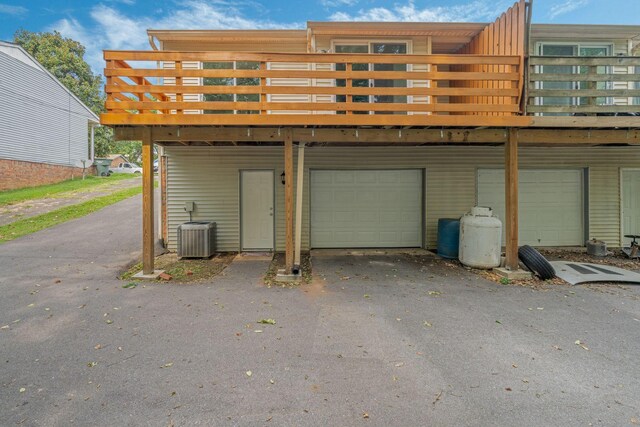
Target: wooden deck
[(353, 90), (311, 89)]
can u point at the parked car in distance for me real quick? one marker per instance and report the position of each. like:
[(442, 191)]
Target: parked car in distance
[(155, 165), (127, 168)]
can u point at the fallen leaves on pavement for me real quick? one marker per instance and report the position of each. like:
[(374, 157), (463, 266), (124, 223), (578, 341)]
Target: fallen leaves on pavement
[(581, 344)]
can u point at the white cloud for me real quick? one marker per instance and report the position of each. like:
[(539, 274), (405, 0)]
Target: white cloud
[(338, 3), (127, 2), (566, 7), (12, 10), (72, 29), (478, 10), (112, 29)]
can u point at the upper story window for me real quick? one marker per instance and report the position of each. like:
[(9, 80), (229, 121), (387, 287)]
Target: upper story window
[(231, 81), (398, 48), (578, 50)]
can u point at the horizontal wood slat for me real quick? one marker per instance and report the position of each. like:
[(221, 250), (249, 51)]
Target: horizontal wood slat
[(310, 106), (585, 60), (310, 74), (541, 77), (583, 93), (308, 90), (312, 120), (584, 109), (336, 58)]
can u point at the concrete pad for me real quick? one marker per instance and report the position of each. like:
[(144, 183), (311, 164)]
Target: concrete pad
[(254, 256), (152, 276), (404, 340), (513, 274), (370, 252), (287, 278)]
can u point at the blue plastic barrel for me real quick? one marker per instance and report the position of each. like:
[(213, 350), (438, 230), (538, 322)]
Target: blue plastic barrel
[(448, 237)]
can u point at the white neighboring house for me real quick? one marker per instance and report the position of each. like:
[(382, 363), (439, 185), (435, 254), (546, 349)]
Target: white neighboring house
[(46, 132)]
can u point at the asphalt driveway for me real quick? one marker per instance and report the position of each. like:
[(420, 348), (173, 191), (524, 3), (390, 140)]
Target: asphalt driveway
[(374, 340)]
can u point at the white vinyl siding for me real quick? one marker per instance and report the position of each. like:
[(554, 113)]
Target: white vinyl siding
[(209, 177), (289, 82), (39, 120)]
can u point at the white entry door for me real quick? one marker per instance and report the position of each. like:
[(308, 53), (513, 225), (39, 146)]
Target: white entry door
[(256, 210), (630, 203)]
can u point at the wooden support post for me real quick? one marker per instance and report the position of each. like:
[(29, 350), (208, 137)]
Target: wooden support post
[(299, 197), (147, 202), (288, 198), (511, 199)]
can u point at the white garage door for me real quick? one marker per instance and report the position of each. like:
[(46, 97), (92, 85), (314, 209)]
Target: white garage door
[(366, 208), (550, 204), (630, 203)]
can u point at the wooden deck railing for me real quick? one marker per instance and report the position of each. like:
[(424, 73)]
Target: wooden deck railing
[(228, 88), (583, 85)]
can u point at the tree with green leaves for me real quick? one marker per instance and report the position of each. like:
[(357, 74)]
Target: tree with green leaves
[(64, 58)]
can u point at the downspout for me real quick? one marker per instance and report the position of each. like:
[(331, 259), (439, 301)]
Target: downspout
[(152, 42), (154, 46), (93, 148), (311, 48), (299, 193), (160, 208)]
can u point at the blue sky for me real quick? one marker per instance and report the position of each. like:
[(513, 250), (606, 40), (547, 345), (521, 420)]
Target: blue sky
[(121, 24)]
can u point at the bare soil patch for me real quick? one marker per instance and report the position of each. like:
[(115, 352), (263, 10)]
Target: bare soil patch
[(278, 262), (187, 270)]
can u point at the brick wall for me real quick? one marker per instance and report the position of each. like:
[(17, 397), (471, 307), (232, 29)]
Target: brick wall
[(116, 162), (17, 174)]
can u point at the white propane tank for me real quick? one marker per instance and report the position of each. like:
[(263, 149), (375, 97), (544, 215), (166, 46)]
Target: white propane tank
[(480, 239)]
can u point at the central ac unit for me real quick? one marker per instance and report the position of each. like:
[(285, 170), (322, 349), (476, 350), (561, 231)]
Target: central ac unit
[(196, 239)]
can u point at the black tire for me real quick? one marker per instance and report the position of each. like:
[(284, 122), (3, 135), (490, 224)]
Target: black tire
[(104, 174), (536, 262)]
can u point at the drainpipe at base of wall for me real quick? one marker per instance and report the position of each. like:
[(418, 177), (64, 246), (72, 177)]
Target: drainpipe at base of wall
[(299, 194)]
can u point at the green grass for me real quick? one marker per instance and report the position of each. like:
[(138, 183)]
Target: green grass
[(26, 226), (14, 196)]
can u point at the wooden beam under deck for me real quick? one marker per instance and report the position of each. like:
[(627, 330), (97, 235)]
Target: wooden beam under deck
[(392, 137), (419, 120), (126, 119)]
